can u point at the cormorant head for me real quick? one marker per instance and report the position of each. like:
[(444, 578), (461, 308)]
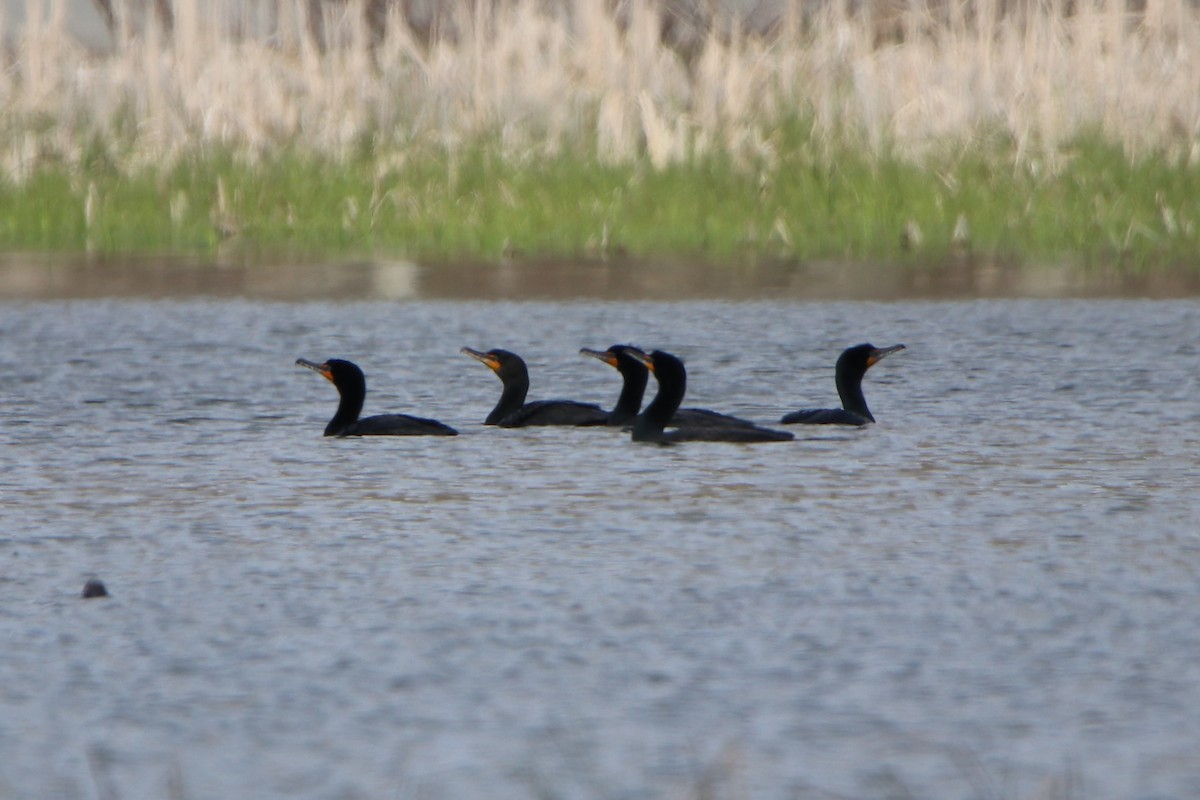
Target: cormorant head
[(666, 367), (618, 356), (506, 365), (858, 359), (339, 372)]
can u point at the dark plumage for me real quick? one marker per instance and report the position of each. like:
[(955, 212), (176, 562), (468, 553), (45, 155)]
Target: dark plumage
[(852, 365), (672, 385), (627, 360), (635, 377), (94, 588), (513, 412), (352, 389)]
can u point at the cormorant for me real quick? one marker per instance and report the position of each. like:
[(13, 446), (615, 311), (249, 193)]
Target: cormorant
[(626, 360), (352, 388), (513, 412), (852, 365), (672, 384)]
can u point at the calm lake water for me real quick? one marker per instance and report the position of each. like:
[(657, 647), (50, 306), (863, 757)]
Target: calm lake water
[(993, 593)]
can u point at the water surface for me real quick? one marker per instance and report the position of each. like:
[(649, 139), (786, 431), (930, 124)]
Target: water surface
[(990, 594)]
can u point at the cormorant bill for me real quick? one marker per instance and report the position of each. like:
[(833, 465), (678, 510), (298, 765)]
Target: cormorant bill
[(513, 412), (352, 388), (626, 359), (852, 365), (672, 385)]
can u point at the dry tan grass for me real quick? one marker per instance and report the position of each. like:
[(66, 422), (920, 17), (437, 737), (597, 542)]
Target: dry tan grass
[(542, 77)]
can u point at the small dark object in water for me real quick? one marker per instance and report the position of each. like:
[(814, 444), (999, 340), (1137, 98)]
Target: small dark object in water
[(94, 588)]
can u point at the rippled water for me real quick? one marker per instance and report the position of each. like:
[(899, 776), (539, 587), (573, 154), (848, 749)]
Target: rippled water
[(991, 594)]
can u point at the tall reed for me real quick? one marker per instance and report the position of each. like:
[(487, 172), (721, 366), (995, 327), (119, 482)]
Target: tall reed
[(539, 78)]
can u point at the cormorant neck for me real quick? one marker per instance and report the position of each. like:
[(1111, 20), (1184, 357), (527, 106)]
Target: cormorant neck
[(650, 424), (849, 386), (634, 389), (352, 393), (511, 400)]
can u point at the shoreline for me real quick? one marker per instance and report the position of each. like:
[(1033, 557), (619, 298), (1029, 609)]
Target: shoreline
[(1037, 138), (230, 273)]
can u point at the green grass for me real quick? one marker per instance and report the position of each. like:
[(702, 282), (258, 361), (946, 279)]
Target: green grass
[(1096, 207)]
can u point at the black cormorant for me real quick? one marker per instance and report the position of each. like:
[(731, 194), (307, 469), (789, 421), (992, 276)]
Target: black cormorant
[(626, 359), (852, 365), (672, 384), (513, 412), (352, 387)]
